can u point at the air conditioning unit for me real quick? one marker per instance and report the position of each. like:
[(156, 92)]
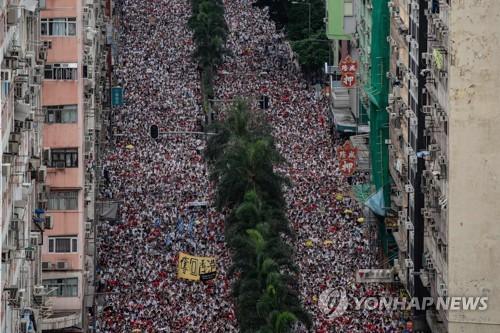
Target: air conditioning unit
[(48, 223), (13, 15), (443, 117), (47, 44), (408, 38), (24, 326), (409, 188), (391, 98), (39, 290), (427, 109), (433, 147), (15, 137), (38, 294), (45, 188), (409, 225), (396, 91), (30, 255), (42, 197), (34, 241), (409, 263), (413, 159), (37, 79), (46, 265), (387, 141), (88, 226), (13, 147), (42, 174), (62, 265), (442, 159)]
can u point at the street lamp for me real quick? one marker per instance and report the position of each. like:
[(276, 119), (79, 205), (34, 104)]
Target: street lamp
[(309, 5)]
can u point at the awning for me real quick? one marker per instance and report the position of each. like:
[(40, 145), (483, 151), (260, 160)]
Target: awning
[(29, 5), (107, 210), (362, 192), (376, 202), (344, 121), (62, 320)]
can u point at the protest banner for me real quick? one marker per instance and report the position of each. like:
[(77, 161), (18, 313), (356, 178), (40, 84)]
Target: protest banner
[(191, 267)]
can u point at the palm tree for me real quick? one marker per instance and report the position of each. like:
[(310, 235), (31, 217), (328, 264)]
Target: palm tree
[(210, 35), (243, 157)]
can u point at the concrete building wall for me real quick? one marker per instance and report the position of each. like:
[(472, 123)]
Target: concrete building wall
[(21, 174), (474, 162)]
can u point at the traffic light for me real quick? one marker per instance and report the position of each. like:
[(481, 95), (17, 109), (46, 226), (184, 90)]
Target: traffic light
[(264, 102), (154, 131)]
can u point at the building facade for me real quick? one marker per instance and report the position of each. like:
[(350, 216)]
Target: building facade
[(442, 116), (72, 99), (22, 220), (462, 238), (398, 101)]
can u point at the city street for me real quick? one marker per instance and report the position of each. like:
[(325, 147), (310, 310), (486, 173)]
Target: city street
[(160, 183)]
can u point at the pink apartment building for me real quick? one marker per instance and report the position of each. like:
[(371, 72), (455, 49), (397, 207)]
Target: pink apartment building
[(71, 99)]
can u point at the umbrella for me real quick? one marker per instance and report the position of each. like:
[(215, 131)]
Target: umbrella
[(327, 242), (361, 220), (129, 146), (347, 211), (339, 197), (309, 243)]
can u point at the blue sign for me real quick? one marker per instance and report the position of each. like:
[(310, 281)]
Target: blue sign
[(116, 96)]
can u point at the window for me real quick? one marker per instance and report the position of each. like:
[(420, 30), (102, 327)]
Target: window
[(61, 114), (63, 200), (58, 26), (64, 158), (66, 244), (62, 287), (60, 71), (348, 9)]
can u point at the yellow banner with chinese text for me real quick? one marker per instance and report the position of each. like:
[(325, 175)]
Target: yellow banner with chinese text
[(191, 267)]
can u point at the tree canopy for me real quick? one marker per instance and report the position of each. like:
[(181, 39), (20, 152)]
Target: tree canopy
[(243, 157)]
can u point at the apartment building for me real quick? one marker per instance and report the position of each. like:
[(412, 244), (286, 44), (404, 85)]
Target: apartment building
[(23, 221), (399, 116), (462, 238), (340, 27), (72, 99), (442, 160)]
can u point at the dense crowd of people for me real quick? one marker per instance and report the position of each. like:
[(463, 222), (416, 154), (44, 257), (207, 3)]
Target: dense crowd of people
[(331, 244), (164, 192), (161, 185)]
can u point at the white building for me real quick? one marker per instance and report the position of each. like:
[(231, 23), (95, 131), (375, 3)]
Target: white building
[(22, 222)]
